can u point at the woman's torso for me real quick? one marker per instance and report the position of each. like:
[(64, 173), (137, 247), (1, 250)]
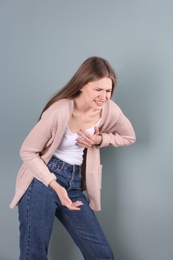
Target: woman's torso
[(68, 150)]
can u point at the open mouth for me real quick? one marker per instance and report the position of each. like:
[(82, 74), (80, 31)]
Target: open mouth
[(99, 103)]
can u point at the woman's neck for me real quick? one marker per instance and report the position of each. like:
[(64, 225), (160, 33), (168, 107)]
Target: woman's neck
[(81, 108)]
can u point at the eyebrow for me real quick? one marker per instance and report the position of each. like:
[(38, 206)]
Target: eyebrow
[(103, 88)]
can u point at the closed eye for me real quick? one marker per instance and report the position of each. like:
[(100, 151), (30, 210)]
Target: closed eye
[(99, 89)]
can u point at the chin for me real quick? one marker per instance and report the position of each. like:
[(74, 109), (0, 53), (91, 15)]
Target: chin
[(98, 107)]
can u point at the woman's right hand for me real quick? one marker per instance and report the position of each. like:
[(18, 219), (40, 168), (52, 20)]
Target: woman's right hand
[(63, 196)]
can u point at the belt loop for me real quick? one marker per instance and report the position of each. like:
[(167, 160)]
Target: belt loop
[(63, 163)]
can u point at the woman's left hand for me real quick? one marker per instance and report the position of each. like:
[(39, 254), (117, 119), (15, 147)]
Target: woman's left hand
[(87, 140)]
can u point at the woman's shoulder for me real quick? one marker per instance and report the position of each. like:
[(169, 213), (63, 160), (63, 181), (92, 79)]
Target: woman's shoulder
[(112, 111), (112, 114), (112, 105), (59, 107)]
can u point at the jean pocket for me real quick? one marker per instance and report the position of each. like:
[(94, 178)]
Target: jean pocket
[(53, 165)]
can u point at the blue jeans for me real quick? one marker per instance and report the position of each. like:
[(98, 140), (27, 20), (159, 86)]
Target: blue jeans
[(39, 206)]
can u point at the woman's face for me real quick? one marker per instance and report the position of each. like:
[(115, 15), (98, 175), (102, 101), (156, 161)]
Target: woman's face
[(96, 93)]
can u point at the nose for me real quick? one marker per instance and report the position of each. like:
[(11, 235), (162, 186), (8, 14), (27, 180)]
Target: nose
[(102, 95)]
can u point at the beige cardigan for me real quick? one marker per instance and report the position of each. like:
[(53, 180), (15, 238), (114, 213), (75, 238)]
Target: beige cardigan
[(41, 143)]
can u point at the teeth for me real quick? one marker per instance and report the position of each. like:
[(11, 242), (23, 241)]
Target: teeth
[(99, 102)]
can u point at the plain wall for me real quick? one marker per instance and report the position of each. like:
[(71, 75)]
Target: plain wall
[(42, 43)]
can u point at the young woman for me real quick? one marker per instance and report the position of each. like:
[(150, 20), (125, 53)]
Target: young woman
[(61, 159)]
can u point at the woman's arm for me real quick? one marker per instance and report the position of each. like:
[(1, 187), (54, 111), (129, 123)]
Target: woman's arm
[(33, 146), (120, 132), (123, 135), (63, 196)]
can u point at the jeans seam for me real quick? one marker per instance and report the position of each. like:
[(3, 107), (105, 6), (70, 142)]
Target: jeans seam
[(70, 181), (85, 244), (28, 221)]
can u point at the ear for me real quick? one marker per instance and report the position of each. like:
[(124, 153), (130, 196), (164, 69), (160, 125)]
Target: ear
[(82, 88)]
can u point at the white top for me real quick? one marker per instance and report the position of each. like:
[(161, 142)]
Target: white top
[(68, 151)]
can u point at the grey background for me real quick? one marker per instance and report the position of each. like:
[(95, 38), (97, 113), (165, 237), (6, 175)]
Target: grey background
[(42, 45)]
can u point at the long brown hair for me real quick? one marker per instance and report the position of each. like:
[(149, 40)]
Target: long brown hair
[(92, 69)]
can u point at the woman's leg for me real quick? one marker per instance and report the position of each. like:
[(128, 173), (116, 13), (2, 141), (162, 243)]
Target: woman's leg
[(36, 216), (85, 230)]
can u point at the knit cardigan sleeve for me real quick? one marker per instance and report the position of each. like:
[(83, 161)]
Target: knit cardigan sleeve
[(33, 147), (117, 129)]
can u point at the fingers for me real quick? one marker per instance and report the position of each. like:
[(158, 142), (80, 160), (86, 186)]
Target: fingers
[(77, 203), (64, 198), (96, 130), (66, 201), (85, 140), (74, 205)]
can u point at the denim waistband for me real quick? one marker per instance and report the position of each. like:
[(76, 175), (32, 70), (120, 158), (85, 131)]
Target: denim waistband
[(67, 166)]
